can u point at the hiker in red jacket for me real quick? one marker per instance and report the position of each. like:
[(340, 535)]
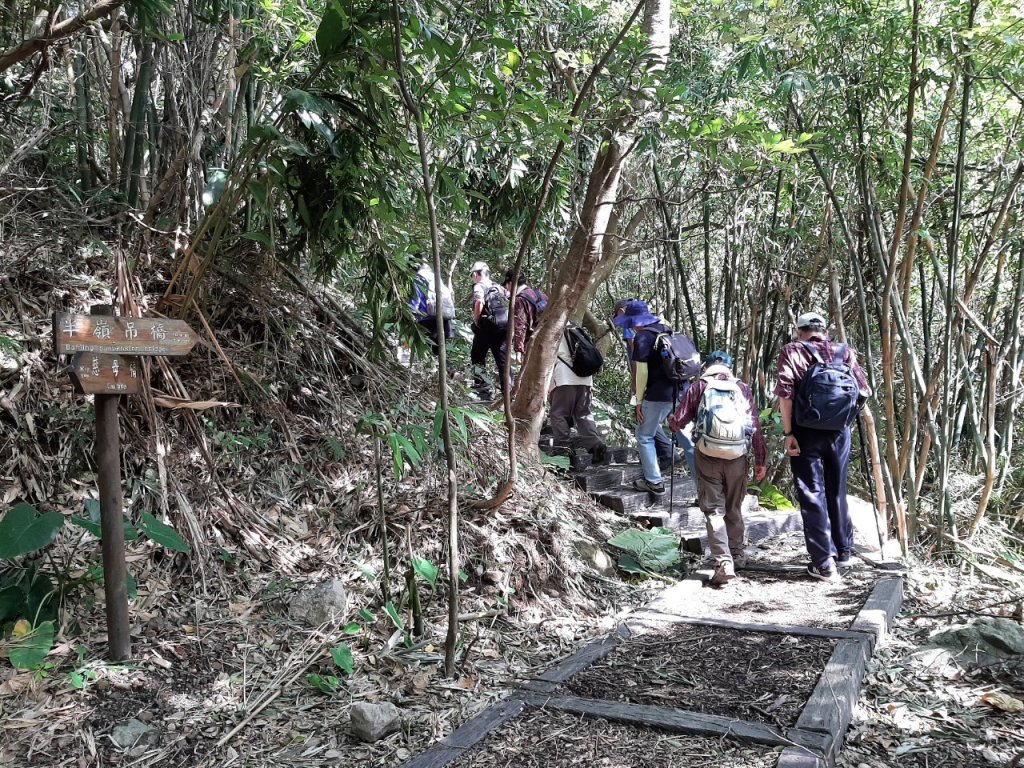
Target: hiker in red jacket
[(527, 307), (726, 423)]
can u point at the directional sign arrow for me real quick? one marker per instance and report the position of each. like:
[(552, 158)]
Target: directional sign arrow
[(121, 335), (97, 374)]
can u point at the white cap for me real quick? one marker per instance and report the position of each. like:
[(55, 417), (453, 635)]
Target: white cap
[(811, 320), (480, 267)]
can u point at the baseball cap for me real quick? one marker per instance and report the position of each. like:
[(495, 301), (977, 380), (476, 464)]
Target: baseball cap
[(810, 320), (479, 267), (620, 305), (718, 356)]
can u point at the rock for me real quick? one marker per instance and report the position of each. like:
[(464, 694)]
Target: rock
[(370, 722), (985, 642), (596, 557), (323, 604), (134, 733)]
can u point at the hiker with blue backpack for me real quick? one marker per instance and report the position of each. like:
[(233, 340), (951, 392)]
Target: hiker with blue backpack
[(820, 388), (666, 364), (490, 319), (726, 425)]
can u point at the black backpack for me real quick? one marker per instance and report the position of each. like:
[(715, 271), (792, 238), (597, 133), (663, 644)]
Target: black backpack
[(826, 397), (680, 360), (584, 357), (495, 306)]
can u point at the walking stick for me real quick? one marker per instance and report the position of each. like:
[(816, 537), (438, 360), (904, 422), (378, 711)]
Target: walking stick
[(871, 484)]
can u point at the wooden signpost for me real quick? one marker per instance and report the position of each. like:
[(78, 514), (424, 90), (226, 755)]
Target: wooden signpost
[(105, 363)]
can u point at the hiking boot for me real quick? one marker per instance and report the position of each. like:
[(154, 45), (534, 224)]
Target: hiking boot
[(845, 560), (829, 573), (724, 573), (644, 485)]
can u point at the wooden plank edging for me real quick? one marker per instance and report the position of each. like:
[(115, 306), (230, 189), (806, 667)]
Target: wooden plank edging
[(467, 735)]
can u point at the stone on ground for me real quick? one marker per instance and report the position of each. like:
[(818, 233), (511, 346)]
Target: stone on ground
[(134, 733), (323, 604), (371, 722)]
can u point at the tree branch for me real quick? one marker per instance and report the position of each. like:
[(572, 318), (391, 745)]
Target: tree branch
[(57, 32)]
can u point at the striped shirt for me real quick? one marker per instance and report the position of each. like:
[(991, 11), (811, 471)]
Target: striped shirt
[(795, 360)]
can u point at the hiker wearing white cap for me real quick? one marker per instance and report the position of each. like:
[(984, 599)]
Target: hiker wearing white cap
[(490, 318), (820, 388)]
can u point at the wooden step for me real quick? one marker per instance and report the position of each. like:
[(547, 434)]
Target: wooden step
[(619, 455), (624, 501), (599, 478)]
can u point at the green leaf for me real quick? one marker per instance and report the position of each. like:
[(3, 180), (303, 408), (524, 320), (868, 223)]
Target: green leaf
[(12, 602), (326, 684), (24, 530), (367, 572), (130, 533), (629, 564), (562, 462), (342, 656), (365, 615), (28, 652), (334, 33), (770, 497), (161, 533), (389, 609), (655, 550), (425, 570), (353, 628)]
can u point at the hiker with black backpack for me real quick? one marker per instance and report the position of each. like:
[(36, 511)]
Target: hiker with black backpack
[(666, 363), (820, 388), (725, 419), (667, 456), (527, 308), (571, 396), (490, 319)]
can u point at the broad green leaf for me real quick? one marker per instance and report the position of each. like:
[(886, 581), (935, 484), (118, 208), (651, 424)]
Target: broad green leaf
[(562, 462), (425, 570), (130, 532), (770, 497), (629, 564), (30, 650), (24, 530), (327, 684), (365, 615), (389, 609), (162, 534), (12, 602), (342, 656), (353, 628), (655, 550)]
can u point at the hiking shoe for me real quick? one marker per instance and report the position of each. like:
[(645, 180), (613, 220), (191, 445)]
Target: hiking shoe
[(723, 574), (824, 574), (845, 560), (643, 485)]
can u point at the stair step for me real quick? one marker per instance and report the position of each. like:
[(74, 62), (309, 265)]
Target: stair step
[(624, 502), (652, 517), (580, 461), (619, 455), (599, 478)]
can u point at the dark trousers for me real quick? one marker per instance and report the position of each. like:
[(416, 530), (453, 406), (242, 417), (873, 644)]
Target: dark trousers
[(487, 337), (571, 404), (819, 474)]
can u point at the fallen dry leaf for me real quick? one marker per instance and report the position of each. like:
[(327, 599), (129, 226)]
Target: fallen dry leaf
[(1003, 702)]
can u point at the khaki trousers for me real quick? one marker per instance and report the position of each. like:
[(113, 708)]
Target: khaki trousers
[(721, 486)]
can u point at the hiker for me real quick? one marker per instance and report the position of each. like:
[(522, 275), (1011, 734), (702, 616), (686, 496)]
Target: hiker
[(820, 389), (656, 393), (571, 398), (424, 305), (662, 445), (527, 307), (490, 319), (725, 424)]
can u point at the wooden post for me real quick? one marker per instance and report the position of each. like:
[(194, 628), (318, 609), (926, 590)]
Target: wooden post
[(115, 571)]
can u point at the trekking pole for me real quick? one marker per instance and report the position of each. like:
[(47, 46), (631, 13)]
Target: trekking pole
[(672, 463), (870, 478)]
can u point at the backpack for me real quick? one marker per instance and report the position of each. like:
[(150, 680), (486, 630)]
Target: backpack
[(536, 299), (447, 303), (584, 358), (495, 306), (723, 419), (826, 397), (679, 358)]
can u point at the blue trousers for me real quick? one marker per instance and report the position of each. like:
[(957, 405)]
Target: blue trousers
[(819, 474)]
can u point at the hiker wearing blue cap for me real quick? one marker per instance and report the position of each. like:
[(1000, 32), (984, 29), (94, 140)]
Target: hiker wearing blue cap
[(725, 419), (661, 378), (820, 388)]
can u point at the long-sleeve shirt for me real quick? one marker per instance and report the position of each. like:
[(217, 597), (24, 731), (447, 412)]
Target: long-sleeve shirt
[(687, 412), (795, 360), (523, 315)]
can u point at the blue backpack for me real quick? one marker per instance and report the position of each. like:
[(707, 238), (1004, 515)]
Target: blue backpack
[(826, 397)]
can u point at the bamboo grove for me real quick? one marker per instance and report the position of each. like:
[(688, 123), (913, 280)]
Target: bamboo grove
[(769, 156)]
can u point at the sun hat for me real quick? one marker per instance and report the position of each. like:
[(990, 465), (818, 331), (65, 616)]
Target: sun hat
[(637, 315), (811, 320), (480, 266), (619, 305), (718, 356)]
